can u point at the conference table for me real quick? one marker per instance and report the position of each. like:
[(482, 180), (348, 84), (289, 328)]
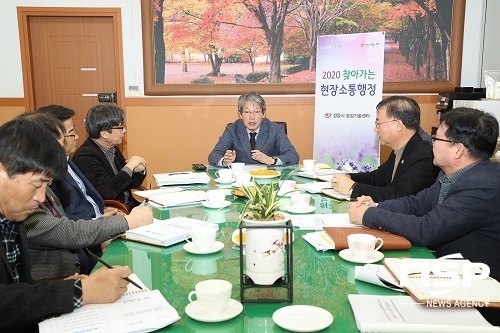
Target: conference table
[(321, 279)]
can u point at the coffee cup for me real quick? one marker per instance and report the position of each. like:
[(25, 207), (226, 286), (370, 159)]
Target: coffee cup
[(286, 186), (243, 178), (212, 296), (237, 168), (224, 175), (362, 246), (203, 237), (309, 165), (300, 201), (216, 197)]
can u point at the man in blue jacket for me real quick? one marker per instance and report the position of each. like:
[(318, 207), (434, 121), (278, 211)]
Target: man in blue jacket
[(253, 139)]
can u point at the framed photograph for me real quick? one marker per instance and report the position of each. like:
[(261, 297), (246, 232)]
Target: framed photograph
[(203, 47)]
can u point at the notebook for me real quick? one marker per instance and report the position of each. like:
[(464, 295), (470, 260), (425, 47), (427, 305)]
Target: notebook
[(391, 241), (181, 178), (136, 311), (375, 313), (167, 232)]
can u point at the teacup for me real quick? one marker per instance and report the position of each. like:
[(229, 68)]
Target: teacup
[(224, 175), (309, 165), (286, 186), (300, 201), (362, 246), (203, 237), (216, 197), (237, 168), (212, 296), (243, 178)]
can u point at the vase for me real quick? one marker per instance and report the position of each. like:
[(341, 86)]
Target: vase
[(265, 253)]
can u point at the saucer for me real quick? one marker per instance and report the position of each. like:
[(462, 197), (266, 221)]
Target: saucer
[(191, 248), (233, 309), (302, 318), (220, 181), (292, 209), (207, 204), (374, 257), (238, 185)]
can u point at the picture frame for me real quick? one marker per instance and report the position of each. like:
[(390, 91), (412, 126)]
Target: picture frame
[(155, 89)]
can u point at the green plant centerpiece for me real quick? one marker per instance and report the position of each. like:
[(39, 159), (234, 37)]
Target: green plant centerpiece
[(264, 228)]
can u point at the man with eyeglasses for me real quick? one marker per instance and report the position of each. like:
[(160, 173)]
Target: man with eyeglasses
[(460, 212), (409, 168), (101, 161), (253, 139)]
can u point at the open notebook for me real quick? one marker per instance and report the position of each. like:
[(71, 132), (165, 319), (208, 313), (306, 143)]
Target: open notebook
[(136, 311)]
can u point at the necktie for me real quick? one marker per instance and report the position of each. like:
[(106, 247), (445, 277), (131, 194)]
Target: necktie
[(252, 140)]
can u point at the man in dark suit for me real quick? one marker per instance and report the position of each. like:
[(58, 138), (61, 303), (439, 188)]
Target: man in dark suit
[(409, 168), (78, 197), (101, 161), (460, 212), (30, 158), (253, 138)]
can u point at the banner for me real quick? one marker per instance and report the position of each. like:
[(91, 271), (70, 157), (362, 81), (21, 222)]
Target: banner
[(349, 79)]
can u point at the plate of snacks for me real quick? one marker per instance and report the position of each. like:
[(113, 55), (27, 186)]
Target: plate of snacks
[(264, 173)]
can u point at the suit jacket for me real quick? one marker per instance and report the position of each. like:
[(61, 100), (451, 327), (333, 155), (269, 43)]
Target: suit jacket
[(71, 197), (467, 221), (271, 140), (25, 303), (93, 164), (415, 172), (54, 242)]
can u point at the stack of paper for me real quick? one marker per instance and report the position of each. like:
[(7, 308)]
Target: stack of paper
[(181, 178), (318, 221), (378, 275), (181, 198), (320, 240), (315, 187), (167, 232)]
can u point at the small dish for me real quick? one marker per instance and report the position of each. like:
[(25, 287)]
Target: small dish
[(191, 248), (220, 181), (292, 209), (374, 257), (233, 309), (238, 185), (302, 318), (207, 204)]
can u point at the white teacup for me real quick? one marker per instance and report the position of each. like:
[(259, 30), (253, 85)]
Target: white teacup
[(286, 186), (243, 178), (203, 237), (212, 296), (216, 197), (300, 201), (309, 165), (224, 174), (237, 168), (362, 246)]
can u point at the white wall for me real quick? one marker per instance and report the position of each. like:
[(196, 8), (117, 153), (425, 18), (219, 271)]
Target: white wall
[(11, 85)]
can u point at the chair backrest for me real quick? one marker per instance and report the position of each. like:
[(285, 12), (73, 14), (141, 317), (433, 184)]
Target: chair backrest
[(282, 123)]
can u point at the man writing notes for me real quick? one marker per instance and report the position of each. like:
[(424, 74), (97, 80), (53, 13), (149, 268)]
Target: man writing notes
[(409, 168), (101, 161), (253, 139), (30, 158), (460, 212)]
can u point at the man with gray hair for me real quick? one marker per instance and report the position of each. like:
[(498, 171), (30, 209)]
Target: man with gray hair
[(409, 168), (253, 139)]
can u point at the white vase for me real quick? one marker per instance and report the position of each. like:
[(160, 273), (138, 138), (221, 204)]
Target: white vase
[(265, 252)]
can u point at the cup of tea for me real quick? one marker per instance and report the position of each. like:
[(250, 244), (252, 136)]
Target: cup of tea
[(212, 296), (216, 197), (243, 178), (309, 165), (300, 201), (224, 175), (237, 168), (286, 186), (203, 237), (362, 246)]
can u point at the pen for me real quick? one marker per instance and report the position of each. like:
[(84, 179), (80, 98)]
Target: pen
[(178, 173), (93, 256)]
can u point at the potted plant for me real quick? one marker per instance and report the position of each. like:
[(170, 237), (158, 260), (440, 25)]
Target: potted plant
[(265, 255)]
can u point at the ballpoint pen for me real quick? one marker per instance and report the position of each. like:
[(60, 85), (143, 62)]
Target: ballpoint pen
[(93, 256)]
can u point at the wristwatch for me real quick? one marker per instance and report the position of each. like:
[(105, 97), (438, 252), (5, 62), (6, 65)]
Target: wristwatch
[(275, 160)]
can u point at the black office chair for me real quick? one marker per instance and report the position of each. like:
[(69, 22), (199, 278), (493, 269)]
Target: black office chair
[(282, 123)]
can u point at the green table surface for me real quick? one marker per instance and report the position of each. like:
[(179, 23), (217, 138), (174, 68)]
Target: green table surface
[(319, 278)]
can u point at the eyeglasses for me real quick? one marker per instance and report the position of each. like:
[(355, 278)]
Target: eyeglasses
[(121, 128), (377, 124), (254, 112), (434, 138)]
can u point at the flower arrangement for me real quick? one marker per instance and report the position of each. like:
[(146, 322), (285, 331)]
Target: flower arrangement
[(262, 203), (349, 165)]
